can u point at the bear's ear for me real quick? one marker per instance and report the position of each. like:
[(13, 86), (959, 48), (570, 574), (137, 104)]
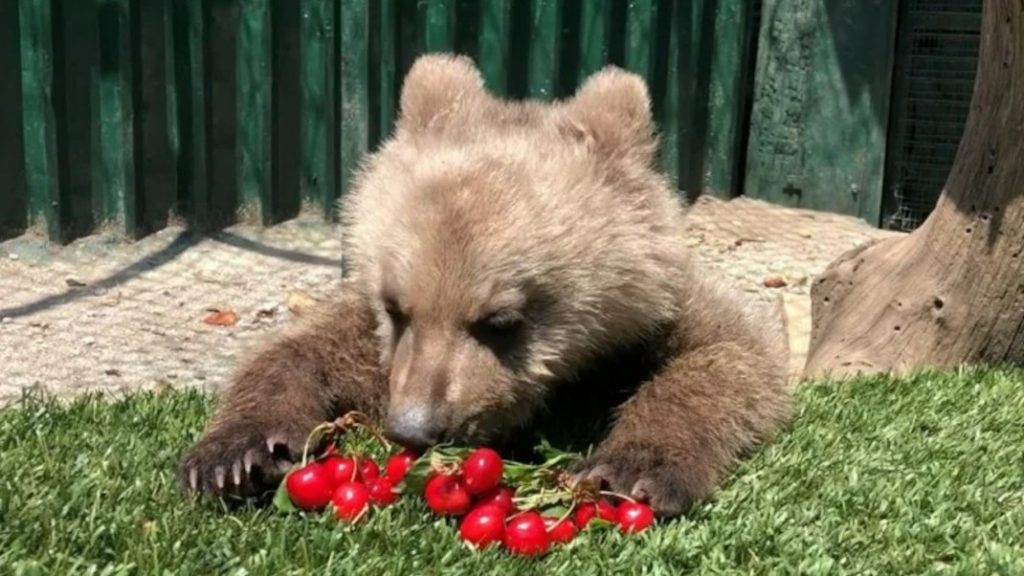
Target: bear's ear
[(612, 110), (436, 88)]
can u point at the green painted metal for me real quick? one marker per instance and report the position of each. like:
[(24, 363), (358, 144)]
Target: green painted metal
[(211, 109), (255, 77), (640, 36), (153, 113), (220, 68), (286, 109), (194, 192), (728, 83), (387, 38), (545, 45), (819, 121), (439, 20), (319, 160), (495, 41), (595, 32), (14, 194), (667, 109), (354, 103), (115, 124)]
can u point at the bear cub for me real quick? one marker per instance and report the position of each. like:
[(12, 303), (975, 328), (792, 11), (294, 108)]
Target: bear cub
[(496, 252)]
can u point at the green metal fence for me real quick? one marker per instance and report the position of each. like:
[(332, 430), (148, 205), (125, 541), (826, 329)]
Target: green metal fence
[(128, 113)]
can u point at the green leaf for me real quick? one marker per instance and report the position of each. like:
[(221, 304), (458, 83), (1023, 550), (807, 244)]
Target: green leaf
[(555, 511), (416, 478), (281, 500)]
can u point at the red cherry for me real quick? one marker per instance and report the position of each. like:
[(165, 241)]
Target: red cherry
[(525, 534), (340, 469), (560, 531), (309, 487), (634, 517), (382, 491), (482, 470), (501, 497), (586, 512), (350, 499), (446, 495), (483, 526), (399, 464), (368, 469)]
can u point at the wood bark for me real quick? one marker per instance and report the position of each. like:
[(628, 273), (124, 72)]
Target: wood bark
[(951, 292)]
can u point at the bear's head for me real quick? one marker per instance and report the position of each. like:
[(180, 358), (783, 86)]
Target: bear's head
[(505, 245)]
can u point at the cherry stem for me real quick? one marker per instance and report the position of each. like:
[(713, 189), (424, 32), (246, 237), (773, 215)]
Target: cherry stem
[(616, 495), (566, 515), (314, 433)]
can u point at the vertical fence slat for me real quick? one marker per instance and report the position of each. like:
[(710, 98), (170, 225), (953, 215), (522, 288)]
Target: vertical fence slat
[(439, 25), (318, 81), (640, 23), (285, 110), (595, 24), (193, 178), (255, 77), (39, 122), (76, 52), (355, 98), (495, 35), (546, 28), (115, 93), (221, 72), (669, 108), (387, 81), (13, 197), (155, 165), (729, 83)]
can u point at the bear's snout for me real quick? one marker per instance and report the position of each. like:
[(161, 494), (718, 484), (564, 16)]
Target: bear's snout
[(413, 427)]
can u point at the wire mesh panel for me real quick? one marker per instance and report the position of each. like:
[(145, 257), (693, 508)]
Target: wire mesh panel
[(937, 56)]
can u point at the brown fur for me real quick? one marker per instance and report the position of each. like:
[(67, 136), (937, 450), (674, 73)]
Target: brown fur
[(498, 250)]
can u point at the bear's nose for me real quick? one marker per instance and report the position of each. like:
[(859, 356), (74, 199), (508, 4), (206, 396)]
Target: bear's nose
[(412, 428)]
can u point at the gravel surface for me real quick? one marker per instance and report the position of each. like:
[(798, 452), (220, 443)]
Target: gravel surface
[(103, 314)]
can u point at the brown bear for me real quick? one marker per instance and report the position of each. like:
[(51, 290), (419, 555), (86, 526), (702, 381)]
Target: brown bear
[(501, 254)]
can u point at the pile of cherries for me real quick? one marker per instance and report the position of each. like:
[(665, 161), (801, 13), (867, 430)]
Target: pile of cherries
[(549, 509)]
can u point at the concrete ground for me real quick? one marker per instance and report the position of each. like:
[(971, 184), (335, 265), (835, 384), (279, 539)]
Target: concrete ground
[(106, 315)]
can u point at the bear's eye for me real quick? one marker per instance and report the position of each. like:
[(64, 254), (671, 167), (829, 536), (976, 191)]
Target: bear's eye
[(499, 328), (394, 311)]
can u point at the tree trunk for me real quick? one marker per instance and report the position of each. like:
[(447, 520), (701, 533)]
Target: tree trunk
[(951, 292)]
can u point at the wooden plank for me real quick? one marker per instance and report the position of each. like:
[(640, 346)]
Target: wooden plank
[(495, 39), (14, 194), (286, 110), (545, 44), (820, 114), (319, 165), (155, 163), (439, 25), (255, 79), (595, 28), (189, 62), (220, 72), (39, 123), (115, 113)]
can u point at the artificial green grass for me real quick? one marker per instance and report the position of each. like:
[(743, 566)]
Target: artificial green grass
[(923, 475)]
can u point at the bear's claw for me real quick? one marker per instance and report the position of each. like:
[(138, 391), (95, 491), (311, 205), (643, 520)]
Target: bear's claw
[(641, 474), (238, 461)]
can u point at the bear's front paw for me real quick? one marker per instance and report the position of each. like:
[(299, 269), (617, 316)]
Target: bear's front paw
[(239, 459), (645, 473)]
